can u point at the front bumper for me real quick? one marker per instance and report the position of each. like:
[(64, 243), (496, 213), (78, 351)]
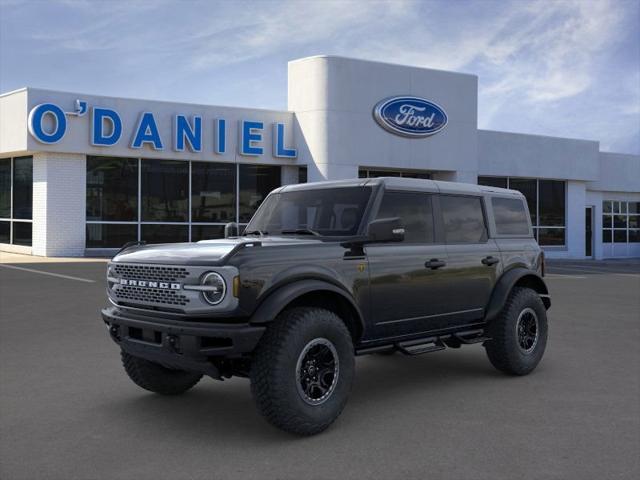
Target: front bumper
[(180, 344)]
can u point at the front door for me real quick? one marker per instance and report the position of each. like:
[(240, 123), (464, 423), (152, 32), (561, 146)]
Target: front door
[(406, 279), (588, 232)]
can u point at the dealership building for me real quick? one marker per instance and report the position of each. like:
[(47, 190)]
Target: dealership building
[(84, 174)]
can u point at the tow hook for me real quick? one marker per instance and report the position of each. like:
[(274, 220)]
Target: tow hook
[(114, 331), (172, 342)]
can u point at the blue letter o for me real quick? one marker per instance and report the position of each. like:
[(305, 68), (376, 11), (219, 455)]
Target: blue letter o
[(35, 123)]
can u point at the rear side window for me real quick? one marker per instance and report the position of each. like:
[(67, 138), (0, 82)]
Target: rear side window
[(463, 219), (414, 210), (510, 216)]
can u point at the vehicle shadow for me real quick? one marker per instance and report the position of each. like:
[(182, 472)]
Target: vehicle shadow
[(214, 410)]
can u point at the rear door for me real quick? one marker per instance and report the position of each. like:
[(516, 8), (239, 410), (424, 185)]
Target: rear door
[(407, 286), (473, 259)]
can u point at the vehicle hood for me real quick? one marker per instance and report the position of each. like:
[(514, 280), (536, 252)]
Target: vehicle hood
[(206, 252)]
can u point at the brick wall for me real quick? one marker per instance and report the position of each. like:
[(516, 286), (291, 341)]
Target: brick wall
[(59, 197)]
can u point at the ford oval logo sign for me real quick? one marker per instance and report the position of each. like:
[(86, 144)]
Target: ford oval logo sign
[(410, 116)]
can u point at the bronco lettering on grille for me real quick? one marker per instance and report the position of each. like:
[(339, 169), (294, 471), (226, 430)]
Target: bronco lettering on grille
[(150, 284)]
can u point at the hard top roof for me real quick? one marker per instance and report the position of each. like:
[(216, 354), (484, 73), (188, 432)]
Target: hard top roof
[(397, 183)]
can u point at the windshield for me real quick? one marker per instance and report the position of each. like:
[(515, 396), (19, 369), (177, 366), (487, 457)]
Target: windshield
[(324, 212)]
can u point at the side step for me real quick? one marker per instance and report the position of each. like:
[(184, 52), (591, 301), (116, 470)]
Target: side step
[(434, 343), (471, 337), (417, 347)]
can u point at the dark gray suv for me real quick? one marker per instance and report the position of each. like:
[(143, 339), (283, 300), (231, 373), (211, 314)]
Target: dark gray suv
[(325, 272)]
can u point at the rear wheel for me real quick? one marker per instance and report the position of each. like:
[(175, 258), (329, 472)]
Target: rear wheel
[(156, 378), (302, 370), (518, 334)]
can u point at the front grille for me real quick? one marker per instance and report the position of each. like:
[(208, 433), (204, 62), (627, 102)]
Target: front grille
[(160, 296), (151, 272)]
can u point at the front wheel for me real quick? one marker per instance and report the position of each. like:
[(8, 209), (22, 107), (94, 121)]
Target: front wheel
[(302, 370), (518, 334)]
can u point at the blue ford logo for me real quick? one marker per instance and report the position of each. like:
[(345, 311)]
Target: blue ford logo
[(410, 116)]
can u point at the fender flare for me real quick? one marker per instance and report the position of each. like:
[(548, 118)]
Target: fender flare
[(505, 284), (282, 296)]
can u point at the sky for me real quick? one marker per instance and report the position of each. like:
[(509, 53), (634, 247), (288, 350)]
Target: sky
[(568, 68)]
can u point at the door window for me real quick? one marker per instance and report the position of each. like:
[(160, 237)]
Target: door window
[(463, 219), (415, 212)]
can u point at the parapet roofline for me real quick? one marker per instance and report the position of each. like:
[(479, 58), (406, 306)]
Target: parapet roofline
[(111, 97), (539, 135), (392, 64)]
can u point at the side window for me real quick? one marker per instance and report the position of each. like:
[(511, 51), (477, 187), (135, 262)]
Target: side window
[(414, 210), (510, 216), (463, 219)]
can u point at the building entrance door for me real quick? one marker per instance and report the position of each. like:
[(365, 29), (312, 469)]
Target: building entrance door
[(588, 231)]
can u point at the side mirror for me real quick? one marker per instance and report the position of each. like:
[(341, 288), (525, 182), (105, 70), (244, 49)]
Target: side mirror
[(385, 230), (231, 230)]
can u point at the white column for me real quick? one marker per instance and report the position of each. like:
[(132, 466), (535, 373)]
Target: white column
[(59, 204), (575, 234), (289, 174)]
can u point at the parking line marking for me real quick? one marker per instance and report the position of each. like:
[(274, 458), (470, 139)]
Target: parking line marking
[(559, 275), (68, 277)]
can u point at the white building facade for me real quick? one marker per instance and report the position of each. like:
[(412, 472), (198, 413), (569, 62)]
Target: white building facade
[(84, 174)]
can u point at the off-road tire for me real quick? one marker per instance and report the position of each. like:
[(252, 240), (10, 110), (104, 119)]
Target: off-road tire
[(274, 375), (156, 378), (503, 349)]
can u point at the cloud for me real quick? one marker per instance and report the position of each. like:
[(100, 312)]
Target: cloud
[(543, 66)]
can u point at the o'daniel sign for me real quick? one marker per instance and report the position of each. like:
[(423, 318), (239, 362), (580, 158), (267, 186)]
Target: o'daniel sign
[(408, 116)]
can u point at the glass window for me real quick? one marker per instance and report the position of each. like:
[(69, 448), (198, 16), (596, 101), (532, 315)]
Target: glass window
[(607, 221), (327, 211), (112, 189), (165, 187), (510, 216), (552, 203), (551, 236), (109, 235), (256, 181), (5, 188), (206, 232), (634, 236), (414, 210), (528, 187), (606, 236), (619, 236), (634, 221), (463, 219), (606, 206), (213, 192), (302, 174), (634, 207), (165, 233), (620, 221), (23, 188), (5, 231), (22, 233), (500, 182)]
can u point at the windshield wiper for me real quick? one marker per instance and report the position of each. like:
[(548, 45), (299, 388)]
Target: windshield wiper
[(255, 232), (301, 231)]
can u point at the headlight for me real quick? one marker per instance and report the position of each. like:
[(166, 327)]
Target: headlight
[(215, 288)]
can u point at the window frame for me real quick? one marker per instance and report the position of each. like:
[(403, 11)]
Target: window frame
[(11, 219), (618, 208), (189, 222)]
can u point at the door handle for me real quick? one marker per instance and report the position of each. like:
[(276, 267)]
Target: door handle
[(434, 264), (488, 261)]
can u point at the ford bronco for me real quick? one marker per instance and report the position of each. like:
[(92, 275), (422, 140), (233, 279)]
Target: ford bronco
[(322, 273)]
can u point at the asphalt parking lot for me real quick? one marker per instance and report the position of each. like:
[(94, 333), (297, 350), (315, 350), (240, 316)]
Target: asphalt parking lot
[(68, 411)]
